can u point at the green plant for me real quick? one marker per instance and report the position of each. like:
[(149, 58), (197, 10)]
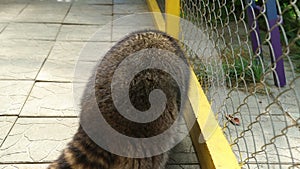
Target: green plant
[(295, 57), (240, 68), (200, 69), (291, 20), (201, 73)]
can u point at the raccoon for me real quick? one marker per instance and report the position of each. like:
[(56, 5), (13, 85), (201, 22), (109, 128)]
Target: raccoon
[(82, 152)]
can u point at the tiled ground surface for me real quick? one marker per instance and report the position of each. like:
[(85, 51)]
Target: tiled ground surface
[(268, 135), (40, 43)]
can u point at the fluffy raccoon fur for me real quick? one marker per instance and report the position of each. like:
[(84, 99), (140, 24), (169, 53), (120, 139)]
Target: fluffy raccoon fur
[(82, 152)]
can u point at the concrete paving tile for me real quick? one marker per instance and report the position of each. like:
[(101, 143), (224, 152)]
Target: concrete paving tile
[(263, 125), (263, 132), (6, 122), (66, 50), (133, 20), (64, 70), (240, 102), (19, 68), (23, 166), (130, 8), (22, 59), (13, 95), (249, 116), (285, 148), (185, 146), (30, 31), (27, 1), (129, 1), (43, 12), (93, 9), (120, 32), (269, 166), (14, 1), (98, 2), (49, 1), (87, 51), (37, 139), (32, 48), (89, 14), (50, 99), (2, 26), (289, 98), (8, 11), (104, 33), (182, 166), (183, 158), (82, 33), (94, 51), (91, 19)]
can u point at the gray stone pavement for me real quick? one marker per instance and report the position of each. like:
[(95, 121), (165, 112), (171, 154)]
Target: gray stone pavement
[(40, 43), (269, 133)]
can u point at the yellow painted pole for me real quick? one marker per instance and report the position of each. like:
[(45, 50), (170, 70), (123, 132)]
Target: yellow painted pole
[(212, 147), (172, 8), (157, 15)]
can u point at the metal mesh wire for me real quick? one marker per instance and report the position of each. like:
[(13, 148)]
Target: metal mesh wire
[(241, 63)]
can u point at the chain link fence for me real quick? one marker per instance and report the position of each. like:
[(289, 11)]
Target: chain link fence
[(250, 72)]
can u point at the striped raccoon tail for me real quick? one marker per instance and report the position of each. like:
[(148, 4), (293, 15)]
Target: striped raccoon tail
[(83, 153)]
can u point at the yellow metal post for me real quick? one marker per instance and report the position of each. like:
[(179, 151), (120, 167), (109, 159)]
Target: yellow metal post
[(172, 8), (215, 152), (157, 15), (212, 148)]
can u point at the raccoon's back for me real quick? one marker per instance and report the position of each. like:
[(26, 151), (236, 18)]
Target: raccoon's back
[(82, 152)]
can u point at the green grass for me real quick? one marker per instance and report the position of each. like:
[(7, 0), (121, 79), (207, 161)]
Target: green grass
[(295, 57), (243, 70), (202, 74)]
